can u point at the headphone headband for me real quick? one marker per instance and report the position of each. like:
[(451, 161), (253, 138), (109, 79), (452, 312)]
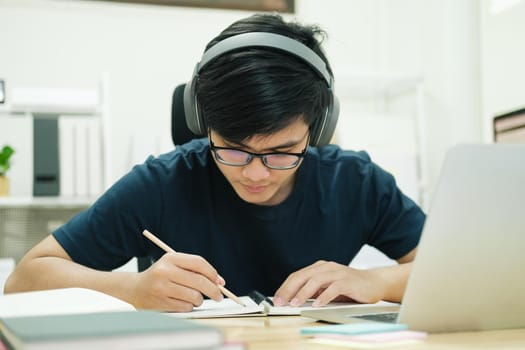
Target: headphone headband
[(321, 131), (270, 40)]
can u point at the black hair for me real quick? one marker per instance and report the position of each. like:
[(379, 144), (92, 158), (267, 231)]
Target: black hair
[(253, 91)]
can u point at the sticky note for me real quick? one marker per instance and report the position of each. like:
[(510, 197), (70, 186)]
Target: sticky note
[(354, 328)]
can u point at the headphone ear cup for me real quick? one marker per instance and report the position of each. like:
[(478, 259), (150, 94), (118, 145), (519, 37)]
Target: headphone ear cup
[(324, 128), (191, 107)]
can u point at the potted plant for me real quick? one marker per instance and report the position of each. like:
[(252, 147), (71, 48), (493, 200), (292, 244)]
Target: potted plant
[(5, 154)]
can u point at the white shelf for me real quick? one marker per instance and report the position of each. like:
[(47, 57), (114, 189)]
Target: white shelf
[(46, 202), (53, 101), (35, 110), (5, 108)]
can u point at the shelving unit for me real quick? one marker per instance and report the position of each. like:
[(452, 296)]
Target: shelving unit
[(34, 103), (25, 220), (59, 202)]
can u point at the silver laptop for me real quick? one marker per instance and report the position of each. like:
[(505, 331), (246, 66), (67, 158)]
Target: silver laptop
[(469, 272)]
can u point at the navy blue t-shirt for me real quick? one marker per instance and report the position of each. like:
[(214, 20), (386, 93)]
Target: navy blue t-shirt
[(340, 201)]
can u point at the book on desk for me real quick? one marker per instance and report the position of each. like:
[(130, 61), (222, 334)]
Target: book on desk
[(76, 318), (108, 330)]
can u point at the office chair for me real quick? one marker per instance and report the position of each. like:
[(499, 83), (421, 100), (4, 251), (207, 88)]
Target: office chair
[(180, 133)]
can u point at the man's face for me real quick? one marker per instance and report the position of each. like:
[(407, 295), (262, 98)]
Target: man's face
[(256, 183)]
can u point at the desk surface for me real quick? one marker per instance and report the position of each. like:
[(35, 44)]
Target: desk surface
[(282, 332)]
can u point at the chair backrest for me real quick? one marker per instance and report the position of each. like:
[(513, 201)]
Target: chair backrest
[(180, 133)]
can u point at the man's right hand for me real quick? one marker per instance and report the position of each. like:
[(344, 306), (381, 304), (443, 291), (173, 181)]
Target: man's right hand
[(176, 282)]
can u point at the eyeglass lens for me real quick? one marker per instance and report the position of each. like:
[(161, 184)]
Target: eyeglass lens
[(237, 157)]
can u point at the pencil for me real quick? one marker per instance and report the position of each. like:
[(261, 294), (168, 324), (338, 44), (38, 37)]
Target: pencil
[(168, 249)]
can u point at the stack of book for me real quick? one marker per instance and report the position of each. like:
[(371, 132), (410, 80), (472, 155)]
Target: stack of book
[(77, 318), (107, 330)]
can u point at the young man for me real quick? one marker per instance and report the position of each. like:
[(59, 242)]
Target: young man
[(250, 203)]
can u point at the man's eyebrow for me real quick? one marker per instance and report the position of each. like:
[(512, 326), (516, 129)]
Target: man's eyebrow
[(287, 144)]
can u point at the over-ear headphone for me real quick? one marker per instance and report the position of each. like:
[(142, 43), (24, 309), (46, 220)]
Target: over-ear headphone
[(323, 128)]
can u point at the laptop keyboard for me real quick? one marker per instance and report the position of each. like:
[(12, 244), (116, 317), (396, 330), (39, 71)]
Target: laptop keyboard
[(389, 317)]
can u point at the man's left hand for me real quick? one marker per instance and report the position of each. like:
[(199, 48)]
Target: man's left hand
[(328, 281)]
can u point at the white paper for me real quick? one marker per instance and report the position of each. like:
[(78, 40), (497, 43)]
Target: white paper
[(59, 302)]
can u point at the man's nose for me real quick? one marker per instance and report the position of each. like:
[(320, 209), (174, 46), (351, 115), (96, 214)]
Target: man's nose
[(256, 170)]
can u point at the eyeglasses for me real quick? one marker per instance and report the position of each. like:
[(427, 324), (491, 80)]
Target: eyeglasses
[(274, 160)]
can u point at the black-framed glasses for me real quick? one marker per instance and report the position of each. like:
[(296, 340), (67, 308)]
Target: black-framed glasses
[(272, 160)]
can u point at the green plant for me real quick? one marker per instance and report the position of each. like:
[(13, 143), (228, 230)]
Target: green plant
[(6, 153)]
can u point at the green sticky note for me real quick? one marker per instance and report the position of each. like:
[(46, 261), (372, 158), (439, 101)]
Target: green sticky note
[(354, 328)]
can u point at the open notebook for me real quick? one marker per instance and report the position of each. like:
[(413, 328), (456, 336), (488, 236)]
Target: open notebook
[(228, 308), (79, 300)]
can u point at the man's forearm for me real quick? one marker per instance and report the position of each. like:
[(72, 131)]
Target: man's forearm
[(55, 272), (393, 280)]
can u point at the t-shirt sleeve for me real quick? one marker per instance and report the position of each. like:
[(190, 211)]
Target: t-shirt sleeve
[(395, 220), (109, 233)]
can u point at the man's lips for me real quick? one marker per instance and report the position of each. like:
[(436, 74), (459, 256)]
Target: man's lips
[(255, 188)]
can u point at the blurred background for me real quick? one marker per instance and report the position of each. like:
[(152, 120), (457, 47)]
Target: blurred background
[(414, 78)]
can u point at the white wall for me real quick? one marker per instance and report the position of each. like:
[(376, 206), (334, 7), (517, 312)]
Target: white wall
[(435, 40), (147, 50)]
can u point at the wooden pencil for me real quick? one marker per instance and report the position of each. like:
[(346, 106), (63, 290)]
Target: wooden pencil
[(168, 249)]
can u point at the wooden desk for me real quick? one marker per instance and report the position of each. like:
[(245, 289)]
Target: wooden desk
[(269, 333)]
